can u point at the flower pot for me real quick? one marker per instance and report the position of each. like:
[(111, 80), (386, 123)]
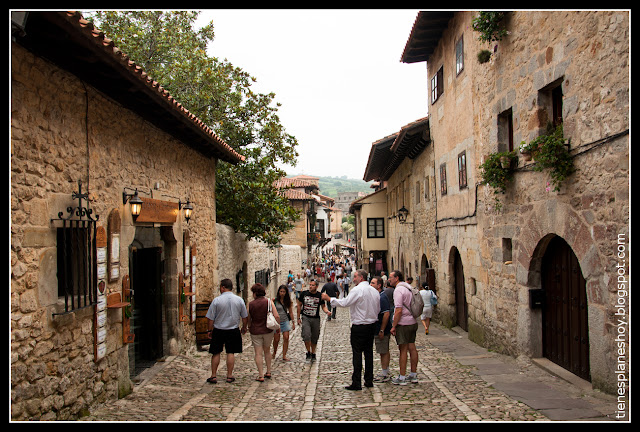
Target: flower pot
[(505, 162)]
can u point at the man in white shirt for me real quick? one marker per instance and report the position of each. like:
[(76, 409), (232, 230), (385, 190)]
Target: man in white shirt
[(363, 302)]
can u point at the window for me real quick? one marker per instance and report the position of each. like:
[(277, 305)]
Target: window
[(375, 227), (76, 265), (426, 189), (550, 100), (507, 250), (417, 192), (437, 85), (462, 170), (459, 56), (443, 179), (505, 131), (556, 102)]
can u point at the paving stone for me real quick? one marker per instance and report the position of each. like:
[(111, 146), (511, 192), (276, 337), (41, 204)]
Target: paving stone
[(455, 384)]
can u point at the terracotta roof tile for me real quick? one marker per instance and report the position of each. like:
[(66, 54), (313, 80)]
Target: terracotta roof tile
[(100, 39)]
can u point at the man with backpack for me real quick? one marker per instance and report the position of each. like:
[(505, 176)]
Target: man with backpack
[(404, 328)]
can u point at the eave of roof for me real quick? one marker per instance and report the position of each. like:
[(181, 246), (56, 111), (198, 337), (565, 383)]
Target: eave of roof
[(425, 35), (74, 44), (387, 154)]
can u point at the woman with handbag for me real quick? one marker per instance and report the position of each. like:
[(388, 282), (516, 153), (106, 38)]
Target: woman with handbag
[(284, 307), (429, 299), (263, 319)]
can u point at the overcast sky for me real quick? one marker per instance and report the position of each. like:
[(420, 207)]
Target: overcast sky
[(337, 74)]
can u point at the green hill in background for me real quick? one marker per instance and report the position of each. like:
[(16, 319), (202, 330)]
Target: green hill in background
[(331, 186)]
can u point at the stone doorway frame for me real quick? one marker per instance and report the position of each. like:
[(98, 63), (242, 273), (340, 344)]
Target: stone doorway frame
[(547, 220)]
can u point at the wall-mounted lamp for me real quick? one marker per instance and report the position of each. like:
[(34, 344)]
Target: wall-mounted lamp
[(188, 209), (402, 215), (134, 201)]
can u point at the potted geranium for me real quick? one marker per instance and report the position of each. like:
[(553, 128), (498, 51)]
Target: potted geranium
[(528, 150)]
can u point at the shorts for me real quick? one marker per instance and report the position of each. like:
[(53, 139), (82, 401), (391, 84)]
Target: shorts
[(285, 326), (406, 334), (310, 329), (262, 340), (382, 346), (231, 340)]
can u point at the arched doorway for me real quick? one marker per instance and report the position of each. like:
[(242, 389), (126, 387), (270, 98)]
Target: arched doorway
[(424, 265), (459, 290), (565, 329)]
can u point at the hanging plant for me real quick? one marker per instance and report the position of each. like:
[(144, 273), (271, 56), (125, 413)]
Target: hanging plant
[(497, 171), (551, 152), (484, 56), (488, 24)]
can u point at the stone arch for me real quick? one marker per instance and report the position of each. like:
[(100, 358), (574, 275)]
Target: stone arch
[(546, 221), (401, 260), (457, 287), (555, 218)]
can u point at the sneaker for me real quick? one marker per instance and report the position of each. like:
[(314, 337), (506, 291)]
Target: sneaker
[(413, 379), (313, 357), (381, 378), (399, 381), (308, 355)]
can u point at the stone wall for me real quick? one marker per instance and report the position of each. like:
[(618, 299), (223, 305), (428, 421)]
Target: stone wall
[(235, 254), (63, 131), (587, 55)]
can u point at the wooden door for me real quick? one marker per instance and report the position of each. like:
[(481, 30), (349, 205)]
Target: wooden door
[(565, 311), (148, 301), (461, 298)]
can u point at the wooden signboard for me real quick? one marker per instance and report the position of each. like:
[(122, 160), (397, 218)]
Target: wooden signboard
[(114, 245), (158, 211), (100, 316)]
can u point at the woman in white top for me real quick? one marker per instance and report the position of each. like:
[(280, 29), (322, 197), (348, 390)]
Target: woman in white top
[(427, 311)]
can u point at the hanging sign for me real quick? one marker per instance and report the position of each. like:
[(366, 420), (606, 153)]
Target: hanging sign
[(158, 211)]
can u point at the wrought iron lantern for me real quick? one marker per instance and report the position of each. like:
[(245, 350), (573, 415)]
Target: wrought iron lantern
[(188, 209), (402, 215), (135, 201)]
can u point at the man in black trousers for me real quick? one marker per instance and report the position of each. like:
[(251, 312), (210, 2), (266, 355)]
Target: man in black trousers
[(332, 291), (364, 305)]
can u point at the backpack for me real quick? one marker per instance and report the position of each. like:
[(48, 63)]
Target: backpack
[(417, 304)]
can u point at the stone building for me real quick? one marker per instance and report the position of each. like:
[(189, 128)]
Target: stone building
[(344, 200), (404, 162), (543, 274), (97, 291), (300, 192)]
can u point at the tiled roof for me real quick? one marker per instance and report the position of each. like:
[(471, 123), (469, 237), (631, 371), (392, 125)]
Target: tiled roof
[(295, 195), (292, 182), (77, 45)]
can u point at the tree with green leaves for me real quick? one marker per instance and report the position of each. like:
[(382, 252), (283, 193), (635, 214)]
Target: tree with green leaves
[(168, 47)]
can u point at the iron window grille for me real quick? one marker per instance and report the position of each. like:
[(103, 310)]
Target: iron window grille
[(77, 260)]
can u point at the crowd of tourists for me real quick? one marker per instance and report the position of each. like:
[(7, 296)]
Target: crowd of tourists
[(380, 307)]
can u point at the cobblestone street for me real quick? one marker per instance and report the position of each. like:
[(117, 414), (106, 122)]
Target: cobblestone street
[(458, 381)]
